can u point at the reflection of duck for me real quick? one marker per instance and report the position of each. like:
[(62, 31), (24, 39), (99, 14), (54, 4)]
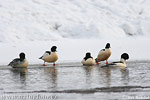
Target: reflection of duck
[(50, 56), (88, 69), (125, 76), (52, 73), (105, 76), (19, 62), (121, 63), (88, 60), (51, 70), (88, 72), (104, 54), (21, 72)]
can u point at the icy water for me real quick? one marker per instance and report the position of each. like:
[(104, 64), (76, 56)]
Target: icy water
[(72, 81)]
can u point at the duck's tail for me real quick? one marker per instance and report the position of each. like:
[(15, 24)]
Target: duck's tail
[(10, 64), (41, 57)]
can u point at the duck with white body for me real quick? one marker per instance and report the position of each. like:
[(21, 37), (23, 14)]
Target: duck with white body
[(21, 62), (50, 56), (104, 54), (121, 63), (88, 60)]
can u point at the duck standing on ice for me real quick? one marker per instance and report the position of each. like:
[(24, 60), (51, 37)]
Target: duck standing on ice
[(104, 54), (88, 60), (121, 63), (50, 56), (19, 62)]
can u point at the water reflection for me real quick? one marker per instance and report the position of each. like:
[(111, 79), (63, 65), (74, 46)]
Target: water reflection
[(118, 75), (105, 73), (125, 76), (52, 73), (19, 75), (88, 70)]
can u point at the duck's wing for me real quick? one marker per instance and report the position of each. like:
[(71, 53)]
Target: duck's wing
[(101, 55), (14, 62), (47, 53), (117, 62), (113, 64), (103, 50)]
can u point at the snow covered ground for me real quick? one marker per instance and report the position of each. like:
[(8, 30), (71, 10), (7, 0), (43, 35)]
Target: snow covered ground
[(75, 26)]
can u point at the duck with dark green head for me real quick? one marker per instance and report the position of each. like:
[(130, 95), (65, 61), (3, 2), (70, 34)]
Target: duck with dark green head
[(50, 56), (88, 60), (20, 62), (104, 54)]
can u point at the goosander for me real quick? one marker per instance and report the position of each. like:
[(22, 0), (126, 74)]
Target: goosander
[(50, 56), (21, 62), (104, 54), (88, 60), (121, 63)]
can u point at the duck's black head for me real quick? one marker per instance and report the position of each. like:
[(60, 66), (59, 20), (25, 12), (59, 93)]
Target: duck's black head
[(22, 56), (53, 49), (125, 56), (88, 55), (107, 46)]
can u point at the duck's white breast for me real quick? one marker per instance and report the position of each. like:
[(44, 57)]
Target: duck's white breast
[(89, 61)]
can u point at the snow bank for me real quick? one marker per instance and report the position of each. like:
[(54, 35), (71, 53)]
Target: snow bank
[(43, 20)]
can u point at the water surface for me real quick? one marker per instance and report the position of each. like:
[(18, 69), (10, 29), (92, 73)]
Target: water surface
[(76, 82)]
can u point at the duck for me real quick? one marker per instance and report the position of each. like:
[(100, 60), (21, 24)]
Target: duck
[(121, 63), (88, 60), (104, 54), (50, 56), (21, 62)]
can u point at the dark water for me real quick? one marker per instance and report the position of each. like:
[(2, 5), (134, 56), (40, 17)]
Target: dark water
[(73, 81)]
